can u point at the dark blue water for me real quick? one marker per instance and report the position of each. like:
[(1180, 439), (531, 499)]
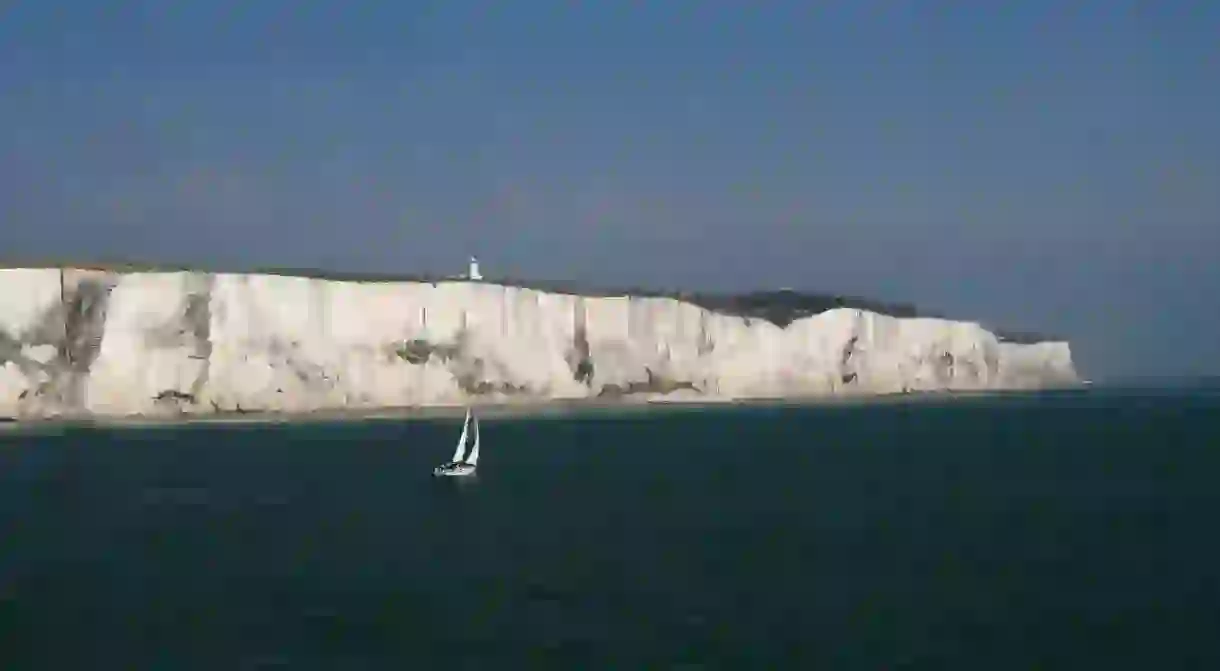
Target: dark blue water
[(1053, 531)]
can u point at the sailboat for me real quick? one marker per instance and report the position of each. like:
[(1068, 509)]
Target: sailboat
[(457, 464)]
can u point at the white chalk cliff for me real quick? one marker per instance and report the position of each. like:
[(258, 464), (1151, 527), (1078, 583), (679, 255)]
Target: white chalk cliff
[(105, 343)]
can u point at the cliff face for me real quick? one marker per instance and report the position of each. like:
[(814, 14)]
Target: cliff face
[(83, 341)]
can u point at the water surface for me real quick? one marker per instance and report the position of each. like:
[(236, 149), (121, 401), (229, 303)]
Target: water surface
[(1068, 530)]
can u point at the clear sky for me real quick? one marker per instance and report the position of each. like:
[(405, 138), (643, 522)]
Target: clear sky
[(1042, 165)]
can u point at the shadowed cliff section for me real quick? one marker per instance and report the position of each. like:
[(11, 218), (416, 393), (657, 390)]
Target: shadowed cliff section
[(474, 374), (198, 318), (191, 328), (579, 358), (59, 348)]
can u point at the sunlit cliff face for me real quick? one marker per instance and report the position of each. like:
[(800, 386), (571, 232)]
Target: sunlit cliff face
[(83, 341)]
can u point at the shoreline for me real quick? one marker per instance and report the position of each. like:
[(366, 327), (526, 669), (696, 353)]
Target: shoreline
[(493, 411)]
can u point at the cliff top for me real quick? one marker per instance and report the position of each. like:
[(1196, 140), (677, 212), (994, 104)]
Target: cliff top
[(780, 307)]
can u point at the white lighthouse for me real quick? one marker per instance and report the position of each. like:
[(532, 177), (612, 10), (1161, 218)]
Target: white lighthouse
[(474, 273)]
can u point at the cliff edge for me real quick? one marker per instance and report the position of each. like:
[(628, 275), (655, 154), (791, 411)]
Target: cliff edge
[(81, 342)]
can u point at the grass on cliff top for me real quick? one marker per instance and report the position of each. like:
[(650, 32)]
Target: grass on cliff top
[(780, 307)]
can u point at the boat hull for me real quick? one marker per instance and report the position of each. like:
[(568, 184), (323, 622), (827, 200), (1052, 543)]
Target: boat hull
[(453, 471)]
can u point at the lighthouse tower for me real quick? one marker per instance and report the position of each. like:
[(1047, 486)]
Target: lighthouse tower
[(474, 273)]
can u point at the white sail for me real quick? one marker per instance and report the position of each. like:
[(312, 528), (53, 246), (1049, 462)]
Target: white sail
[(474, 450), (461, 444)]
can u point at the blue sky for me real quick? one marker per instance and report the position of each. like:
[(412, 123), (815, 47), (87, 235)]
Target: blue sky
[(1043, 165)]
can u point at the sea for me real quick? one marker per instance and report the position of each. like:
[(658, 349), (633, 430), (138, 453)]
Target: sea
[(1057, 530)]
